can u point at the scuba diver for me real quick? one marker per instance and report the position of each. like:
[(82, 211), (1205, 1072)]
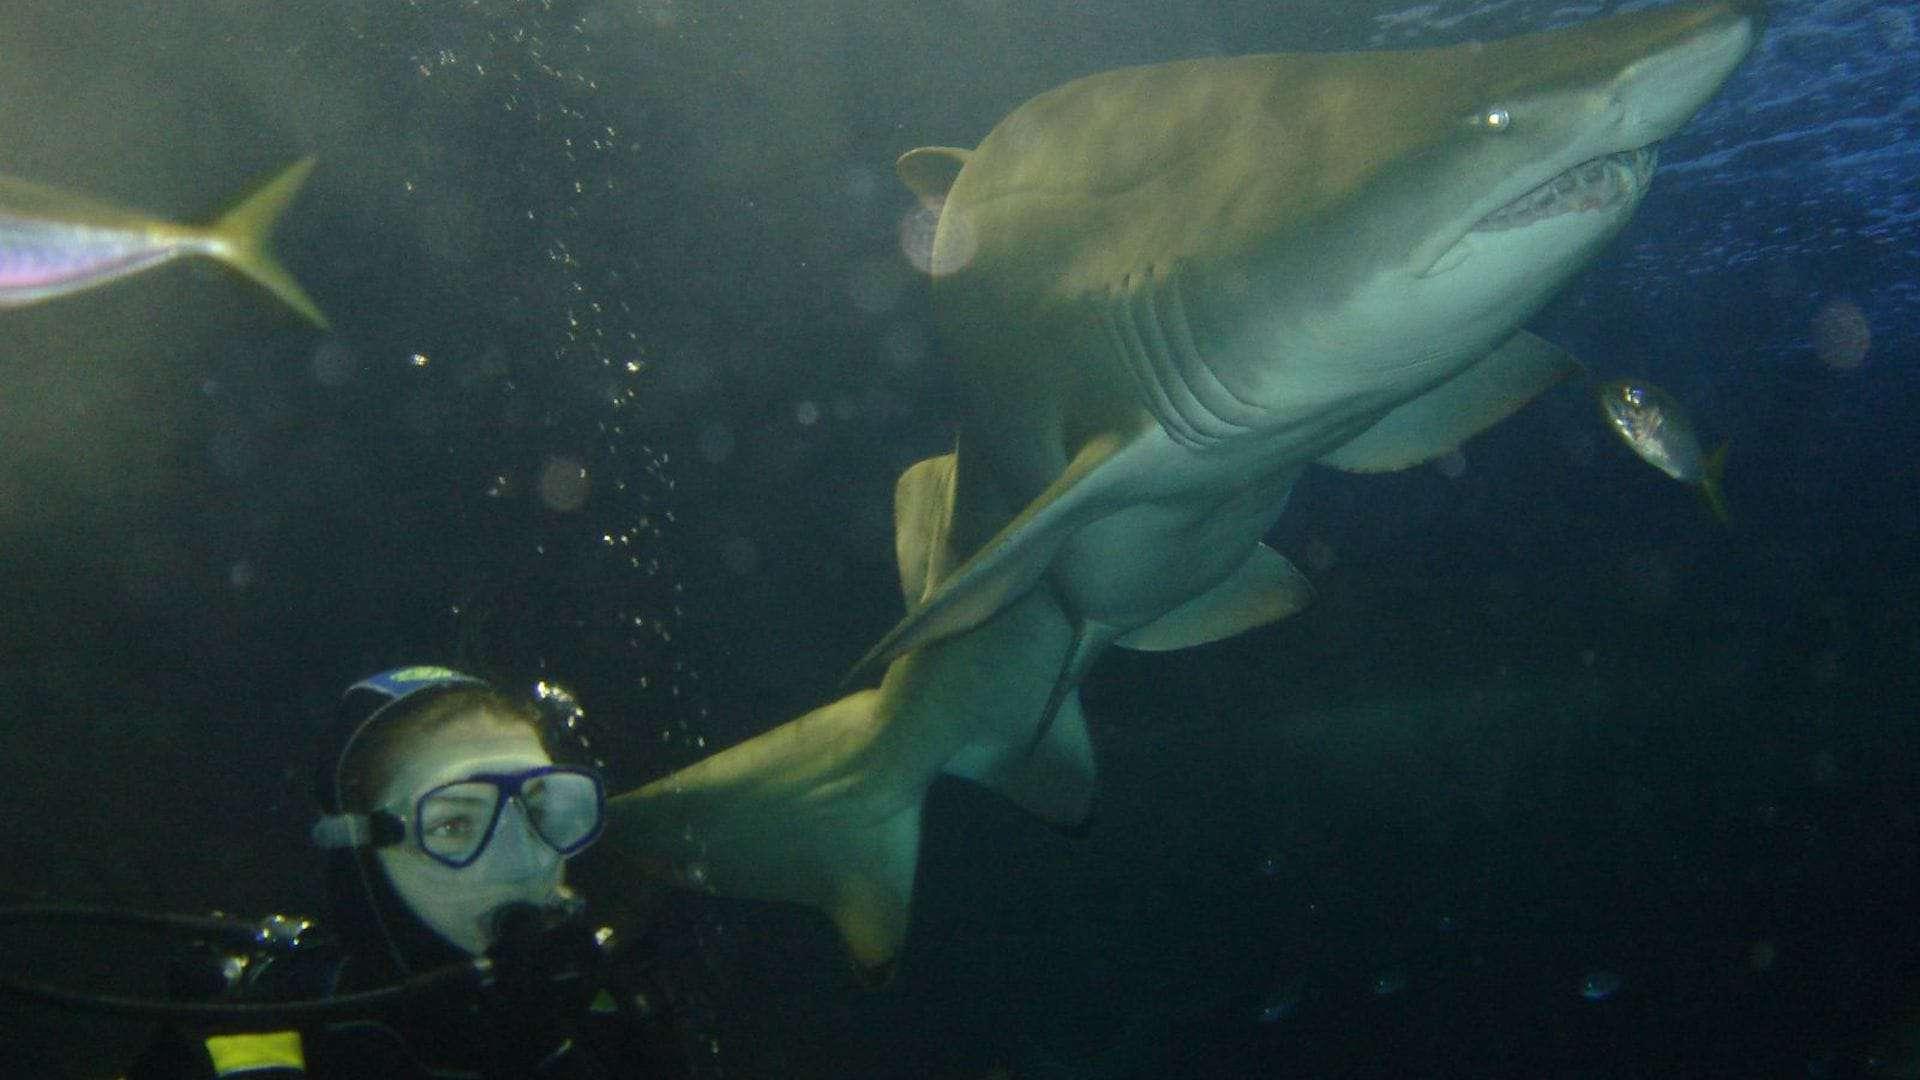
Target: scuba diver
[(449, 811)]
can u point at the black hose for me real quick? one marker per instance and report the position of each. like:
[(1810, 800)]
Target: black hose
[(214, 1015), (240, 931)]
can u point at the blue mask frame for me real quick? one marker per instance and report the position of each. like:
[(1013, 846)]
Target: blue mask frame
[(510, 787)]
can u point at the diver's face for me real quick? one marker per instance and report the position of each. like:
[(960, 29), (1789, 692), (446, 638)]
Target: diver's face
[(515, 867)]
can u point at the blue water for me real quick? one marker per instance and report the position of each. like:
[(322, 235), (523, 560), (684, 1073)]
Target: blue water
[(1525, 793)]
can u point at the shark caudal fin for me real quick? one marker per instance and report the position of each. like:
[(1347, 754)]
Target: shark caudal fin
[(810, 812), (239, 239)]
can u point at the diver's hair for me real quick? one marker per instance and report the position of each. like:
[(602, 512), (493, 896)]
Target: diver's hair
[(378, 753)]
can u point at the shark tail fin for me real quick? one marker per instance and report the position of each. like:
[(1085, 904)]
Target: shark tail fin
[(1712, 472), (793, 815), (239, 239)]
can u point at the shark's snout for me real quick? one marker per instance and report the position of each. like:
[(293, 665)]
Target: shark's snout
[(1604, 99), (1662, 90)]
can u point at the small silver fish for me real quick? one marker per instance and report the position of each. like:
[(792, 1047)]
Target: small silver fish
[(53, 242), (1657, 428)]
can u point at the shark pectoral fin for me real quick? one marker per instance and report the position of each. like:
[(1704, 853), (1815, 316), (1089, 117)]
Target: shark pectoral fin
[(811, 812), (1458, 409), (922, 517), (1054, 781), (1006, 566), (1266, 588), (929, 171)]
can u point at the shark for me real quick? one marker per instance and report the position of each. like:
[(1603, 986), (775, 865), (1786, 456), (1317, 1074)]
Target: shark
[(1170, 290)]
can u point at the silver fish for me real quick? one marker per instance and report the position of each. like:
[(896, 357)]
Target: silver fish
[(53, 242), (1657, 428)]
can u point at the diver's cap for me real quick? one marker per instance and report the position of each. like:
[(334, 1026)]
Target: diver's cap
[(362, 705), (388, 688)]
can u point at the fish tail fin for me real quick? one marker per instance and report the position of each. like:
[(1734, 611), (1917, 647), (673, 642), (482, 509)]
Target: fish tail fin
[(810, 812), (1711, 473), (239, 239)]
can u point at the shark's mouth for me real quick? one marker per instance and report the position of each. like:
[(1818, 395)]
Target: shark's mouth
[(1601, 183)]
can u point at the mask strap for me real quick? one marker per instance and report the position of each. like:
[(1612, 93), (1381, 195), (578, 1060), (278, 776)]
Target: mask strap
[(381, 828)]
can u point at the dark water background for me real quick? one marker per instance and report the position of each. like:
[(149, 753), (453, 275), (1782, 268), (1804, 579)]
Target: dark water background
[(1545, 722)]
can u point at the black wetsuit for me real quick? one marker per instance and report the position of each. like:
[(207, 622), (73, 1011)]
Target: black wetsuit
[(565, 1004)]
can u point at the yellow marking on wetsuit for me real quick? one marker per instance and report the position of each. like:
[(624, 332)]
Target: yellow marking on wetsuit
[(234, 1055)]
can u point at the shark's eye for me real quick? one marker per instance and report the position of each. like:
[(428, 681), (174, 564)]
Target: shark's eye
[(1495, 119)]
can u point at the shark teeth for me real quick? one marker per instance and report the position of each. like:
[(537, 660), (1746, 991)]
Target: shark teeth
[(1601, 183)]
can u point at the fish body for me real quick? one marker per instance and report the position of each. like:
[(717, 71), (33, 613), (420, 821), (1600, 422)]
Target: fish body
[(54, 243), (1170, 290), (1655, 426)]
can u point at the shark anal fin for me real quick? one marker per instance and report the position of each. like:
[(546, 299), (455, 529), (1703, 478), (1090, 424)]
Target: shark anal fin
[(1458, 409), (1053, 779), (1006, 566), (929, 171), (1266, 588)]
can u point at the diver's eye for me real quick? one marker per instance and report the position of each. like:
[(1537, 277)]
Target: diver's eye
[(1495, 119), (450, 827)]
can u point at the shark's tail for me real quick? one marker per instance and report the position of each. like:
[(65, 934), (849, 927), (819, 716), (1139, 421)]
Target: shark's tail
[(825, 810), (812, 812), (239, 239)]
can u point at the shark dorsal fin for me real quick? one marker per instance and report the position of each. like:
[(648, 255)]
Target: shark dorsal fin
[(1458, 409), (922, 519), (930, 170)]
